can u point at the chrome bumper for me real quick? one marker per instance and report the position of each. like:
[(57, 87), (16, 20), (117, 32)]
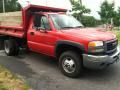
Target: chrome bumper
[(99, 62)]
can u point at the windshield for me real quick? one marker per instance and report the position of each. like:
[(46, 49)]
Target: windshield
[(65, 21)]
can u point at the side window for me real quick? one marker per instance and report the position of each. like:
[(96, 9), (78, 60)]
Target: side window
[(41, 22), (45, 23)]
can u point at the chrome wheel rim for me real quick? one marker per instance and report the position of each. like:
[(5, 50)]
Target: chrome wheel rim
[(68, 65)]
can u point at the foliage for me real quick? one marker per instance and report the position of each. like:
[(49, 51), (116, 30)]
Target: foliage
[(90, 21), (78, 12), (117, 18), (10, 5), (117, 33), (1, 6), (8, 81), (2, 87), (107, 11), (79, 9)]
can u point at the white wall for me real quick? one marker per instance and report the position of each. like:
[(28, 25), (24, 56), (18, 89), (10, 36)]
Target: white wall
[(65, 4)]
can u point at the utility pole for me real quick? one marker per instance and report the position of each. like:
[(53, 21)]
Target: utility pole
[(81, 2), (3, 6)]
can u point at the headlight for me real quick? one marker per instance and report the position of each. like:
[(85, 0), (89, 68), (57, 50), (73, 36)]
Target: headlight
[(95, 47)]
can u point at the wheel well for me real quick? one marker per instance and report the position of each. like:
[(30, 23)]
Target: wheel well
[(63, 48), (20, 41)]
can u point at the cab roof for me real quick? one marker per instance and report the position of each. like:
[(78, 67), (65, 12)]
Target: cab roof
[(44, 8)]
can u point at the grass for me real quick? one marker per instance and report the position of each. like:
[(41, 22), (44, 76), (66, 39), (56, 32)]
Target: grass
[(2, 87), (8, 81), (117, 32)]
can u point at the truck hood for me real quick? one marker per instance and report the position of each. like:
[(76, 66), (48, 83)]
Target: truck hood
[(90, 34)]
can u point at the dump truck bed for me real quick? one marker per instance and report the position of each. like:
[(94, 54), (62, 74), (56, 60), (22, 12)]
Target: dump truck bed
[(17, 23), (11, 24)]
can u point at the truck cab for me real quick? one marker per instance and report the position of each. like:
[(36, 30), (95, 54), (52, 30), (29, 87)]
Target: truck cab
[(47, 28)]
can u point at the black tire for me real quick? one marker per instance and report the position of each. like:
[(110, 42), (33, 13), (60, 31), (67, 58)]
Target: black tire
[(11, 48), (76, 59)]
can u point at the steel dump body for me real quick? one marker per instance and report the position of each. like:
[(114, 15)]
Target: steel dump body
[(20, 31)]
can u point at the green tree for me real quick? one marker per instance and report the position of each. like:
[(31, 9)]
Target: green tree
[(1, 10), (90, 21), (107, 11), (79, 9), (117, 18), (10, 5)]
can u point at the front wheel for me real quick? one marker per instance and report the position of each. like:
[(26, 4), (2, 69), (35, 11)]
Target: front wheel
[(70, 64)]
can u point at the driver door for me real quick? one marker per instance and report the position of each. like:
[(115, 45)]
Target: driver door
[(40, 36)]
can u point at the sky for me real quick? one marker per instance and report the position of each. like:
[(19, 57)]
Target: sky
[(94, 5), (65, 4)]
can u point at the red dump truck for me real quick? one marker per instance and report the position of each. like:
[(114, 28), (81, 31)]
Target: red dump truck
[(52, 32)]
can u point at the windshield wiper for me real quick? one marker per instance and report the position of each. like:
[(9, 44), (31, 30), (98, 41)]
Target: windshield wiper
[(71, 27), (67, 27), (78, 27)]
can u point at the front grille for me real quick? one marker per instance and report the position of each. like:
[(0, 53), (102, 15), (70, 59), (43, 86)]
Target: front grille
[(111, 46)]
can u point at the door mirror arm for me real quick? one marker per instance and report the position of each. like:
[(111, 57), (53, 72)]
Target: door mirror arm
[(36, 28), (43, 30)]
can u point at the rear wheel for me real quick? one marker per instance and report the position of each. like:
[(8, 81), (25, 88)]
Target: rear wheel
[(70, 64), (11, 48)]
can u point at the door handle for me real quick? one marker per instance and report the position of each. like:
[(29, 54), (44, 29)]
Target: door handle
[(32, 33)]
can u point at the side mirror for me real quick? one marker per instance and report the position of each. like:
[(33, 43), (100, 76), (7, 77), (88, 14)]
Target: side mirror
[(42, 30)]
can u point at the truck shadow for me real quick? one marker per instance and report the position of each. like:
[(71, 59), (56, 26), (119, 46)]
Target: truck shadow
[(48, 62)]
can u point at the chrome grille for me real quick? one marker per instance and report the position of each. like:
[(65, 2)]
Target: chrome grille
[(111, 46)]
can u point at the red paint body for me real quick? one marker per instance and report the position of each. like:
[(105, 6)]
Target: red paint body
[(45, 42)]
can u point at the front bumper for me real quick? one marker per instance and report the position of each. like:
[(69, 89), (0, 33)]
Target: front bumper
[(100, 62)]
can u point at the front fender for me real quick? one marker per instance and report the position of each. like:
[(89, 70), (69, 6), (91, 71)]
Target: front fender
[(70, 43)]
